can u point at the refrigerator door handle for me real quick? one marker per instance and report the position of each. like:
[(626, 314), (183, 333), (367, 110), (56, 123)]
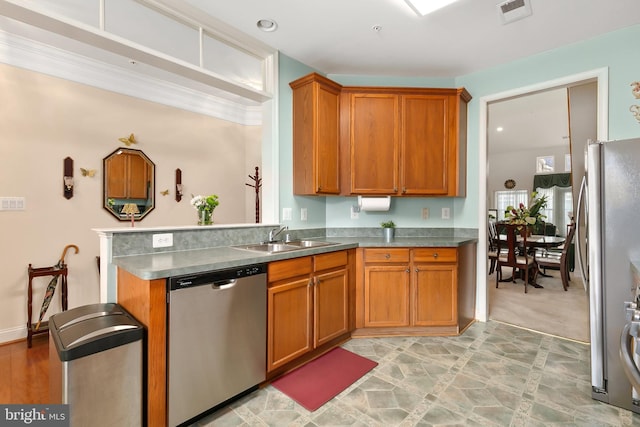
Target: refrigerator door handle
[(581, 261), (626, 354)]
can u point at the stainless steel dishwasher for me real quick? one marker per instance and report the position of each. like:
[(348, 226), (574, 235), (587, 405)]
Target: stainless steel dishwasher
[(216, 340)]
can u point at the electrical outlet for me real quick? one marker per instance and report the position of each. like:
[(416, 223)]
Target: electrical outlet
[(355, 212), (425, 213), (286, 214), (163, 240), (446, 213), (303, 214)]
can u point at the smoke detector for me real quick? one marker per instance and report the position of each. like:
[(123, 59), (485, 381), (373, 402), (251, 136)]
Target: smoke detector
[(512, 10)]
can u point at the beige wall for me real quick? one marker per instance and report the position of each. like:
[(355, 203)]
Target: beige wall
[(45, 119)]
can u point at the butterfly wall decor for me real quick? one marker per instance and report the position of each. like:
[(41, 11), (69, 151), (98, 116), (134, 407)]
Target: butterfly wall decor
[(128, 141), (88, 172), (165, 192)]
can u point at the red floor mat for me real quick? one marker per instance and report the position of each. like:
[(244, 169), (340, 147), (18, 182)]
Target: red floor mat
[(320, 380)]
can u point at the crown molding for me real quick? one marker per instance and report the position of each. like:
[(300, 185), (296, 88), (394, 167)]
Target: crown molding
[(36, 56)]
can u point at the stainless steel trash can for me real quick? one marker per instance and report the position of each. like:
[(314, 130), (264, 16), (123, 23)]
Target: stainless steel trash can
[(95, 359)]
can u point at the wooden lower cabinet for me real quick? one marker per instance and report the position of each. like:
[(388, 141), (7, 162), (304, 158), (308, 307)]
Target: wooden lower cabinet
[(308, 306), (415, 291), (386, 295), (434, 295)]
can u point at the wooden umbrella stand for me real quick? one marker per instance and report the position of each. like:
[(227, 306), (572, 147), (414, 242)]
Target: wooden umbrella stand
[(58, 271)]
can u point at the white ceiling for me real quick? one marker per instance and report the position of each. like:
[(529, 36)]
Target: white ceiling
[(336, 36), (539, 120)]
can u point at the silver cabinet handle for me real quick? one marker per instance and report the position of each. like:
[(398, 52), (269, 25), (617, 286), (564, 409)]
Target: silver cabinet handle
[(435, 255)]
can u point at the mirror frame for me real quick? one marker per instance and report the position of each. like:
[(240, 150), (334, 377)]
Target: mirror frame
[(150, 184)]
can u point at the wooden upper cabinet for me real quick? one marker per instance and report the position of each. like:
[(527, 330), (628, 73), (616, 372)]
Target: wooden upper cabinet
[(426, 145), (316, 135), (128, 177), (394, 141), (405, 141), (375, 146)]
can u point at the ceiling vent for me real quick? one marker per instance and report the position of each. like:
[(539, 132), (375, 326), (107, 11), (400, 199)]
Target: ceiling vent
[(512, 10)]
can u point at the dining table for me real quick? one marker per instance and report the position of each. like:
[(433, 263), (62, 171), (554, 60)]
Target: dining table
[(534, 242)]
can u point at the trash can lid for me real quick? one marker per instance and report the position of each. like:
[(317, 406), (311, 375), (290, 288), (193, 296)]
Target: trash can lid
[(95, 334), (78, 314)]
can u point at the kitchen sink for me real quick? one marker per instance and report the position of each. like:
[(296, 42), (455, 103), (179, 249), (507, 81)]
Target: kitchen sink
[(277, 247), (269, 247), (310, 243)]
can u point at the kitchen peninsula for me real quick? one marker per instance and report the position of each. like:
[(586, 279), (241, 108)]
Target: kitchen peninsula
[(137, 275)]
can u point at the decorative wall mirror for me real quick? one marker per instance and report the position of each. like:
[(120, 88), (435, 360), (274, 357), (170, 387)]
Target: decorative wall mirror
[(129, 180)]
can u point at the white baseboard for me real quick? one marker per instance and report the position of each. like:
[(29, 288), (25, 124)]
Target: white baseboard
[(13, 334)]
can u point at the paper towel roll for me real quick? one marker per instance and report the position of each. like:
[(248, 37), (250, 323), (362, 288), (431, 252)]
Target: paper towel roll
[(374, 203)]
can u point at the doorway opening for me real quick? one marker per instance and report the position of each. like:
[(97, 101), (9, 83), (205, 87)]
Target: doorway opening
[(600, 76)]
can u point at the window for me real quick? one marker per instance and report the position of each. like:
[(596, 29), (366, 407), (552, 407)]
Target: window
[(559, 206), (545, 164), (510, 198)]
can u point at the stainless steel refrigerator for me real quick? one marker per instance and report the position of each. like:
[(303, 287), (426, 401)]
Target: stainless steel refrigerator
[(609, 221)]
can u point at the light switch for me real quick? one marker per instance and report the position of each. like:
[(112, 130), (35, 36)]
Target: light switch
[(425, 213), (286, 214), (446, 213), (303, 214)]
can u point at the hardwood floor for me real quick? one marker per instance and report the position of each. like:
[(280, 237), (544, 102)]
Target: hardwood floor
[(24, 372)]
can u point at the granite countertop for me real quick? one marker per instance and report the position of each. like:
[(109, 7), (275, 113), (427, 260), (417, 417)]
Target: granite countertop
[(168, 264)]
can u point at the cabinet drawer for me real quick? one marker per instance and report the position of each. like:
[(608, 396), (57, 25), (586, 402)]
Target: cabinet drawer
[(330, 260), (435, 255), (386, 255), (280, 270)]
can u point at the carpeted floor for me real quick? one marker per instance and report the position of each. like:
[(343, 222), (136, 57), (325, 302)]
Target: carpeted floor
[(550, 310)]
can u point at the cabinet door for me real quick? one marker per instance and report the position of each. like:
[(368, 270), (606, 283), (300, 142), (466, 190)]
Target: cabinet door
[(289, 321), (434, 295), (117, 177), (374, 133), (425, 145), (138, 177), (386, 296), (316, 135), (331, 306)]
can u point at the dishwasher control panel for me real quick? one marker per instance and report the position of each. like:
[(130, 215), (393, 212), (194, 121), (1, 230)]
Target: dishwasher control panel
[(197, 279)]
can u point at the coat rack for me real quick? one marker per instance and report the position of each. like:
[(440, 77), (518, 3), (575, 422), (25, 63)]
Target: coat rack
[(257, 184)]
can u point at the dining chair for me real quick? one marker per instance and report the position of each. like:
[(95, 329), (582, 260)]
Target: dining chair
[(492, 252), (513, 257), (553, 261)]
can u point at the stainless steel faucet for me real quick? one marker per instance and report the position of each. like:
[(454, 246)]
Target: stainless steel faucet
[(273, 233)]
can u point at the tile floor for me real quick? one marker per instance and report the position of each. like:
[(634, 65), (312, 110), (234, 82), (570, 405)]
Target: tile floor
[(492, 375)]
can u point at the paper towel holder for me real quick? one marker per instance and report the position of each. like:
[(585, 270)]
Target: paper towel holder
[(374, 204)]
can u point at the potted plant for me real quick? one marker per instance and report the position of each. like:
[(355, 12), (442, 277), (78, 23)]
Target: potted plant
[(527, 216), (388, 228)]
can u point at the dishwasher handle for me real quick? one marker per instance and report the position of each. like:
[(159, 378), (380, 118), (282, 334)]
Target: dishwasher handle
[(224, 284)]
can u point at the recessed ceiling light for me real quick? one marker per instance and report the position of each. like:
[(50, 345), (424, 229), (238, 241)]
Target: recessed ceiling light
[(423, 7), (267, 25)]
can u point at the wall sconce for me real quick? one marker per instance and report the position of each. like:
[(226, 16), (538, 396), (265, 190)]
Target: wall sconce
[(130, 209), (178, 185), (67, 178)]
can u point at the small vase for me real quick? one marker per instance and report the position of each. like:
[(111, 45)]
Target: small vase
[(205, 217), (388, 233)]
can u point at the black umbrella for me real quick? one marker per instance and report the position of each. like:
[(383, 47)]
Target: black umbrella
[(51, 288)]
